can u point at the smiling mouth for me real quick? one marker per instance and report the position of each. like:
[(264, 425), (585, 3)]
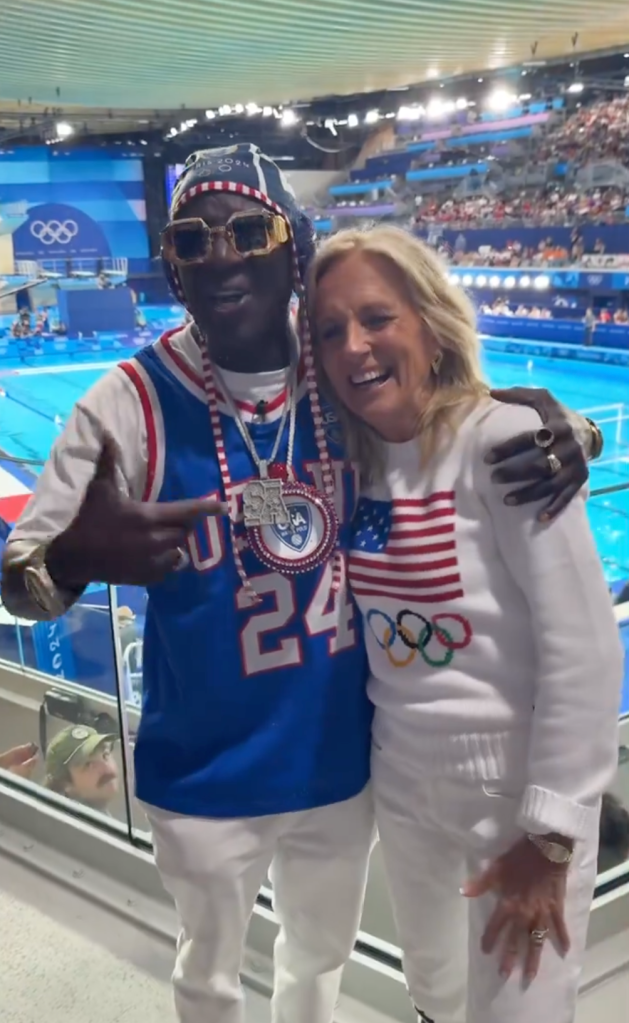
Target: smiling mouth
[(364, 381)]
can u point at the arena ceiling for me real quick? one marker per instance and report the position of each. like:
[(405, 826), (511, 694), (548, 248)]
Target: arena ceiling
[(154, 54)]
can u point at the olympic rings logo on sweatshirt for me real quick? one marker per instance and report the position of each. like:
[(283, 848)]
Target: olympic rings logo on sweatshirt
[(434, 639)]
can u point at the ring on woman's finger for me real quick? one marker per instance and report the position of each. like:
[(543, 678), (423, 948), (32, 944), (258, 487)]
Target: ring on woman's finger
[(538, 936), (554, 463), (544, 437)]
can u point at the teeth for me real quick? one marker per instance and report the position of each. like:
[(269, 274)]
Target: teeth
[(366, 378)]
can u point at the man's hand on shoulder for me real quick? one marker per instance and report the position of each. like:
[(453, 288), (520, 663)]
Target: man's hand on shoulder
[(551, 465)]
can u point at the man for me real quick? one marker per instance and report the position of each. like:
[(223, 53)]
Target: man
[(253, 748), (80, 765)]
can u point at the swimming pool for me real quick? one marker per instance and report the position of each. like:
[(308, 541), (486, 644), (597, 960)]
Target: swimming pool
[(38, 396)]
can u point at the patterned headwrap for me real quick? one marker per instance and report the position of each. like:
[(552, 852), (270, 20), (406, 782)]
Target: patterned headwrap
[(244, 170)]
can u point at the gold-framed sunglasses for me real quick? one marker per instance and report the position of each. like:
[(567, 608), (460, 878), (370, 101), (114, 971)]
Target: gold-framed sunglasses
[(189, 242)]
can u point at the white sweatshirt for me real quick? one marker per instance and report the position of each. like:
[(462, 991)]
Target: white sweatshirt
[(492, 642)]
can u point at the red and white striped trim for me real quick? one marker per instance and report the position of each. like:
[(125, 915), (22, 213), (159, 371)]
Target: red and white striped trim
[(154, 423), (226, 186)]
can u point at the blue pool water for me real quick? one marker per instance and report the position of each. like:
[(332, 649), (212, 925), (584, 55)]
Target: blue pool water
[(39, 396)]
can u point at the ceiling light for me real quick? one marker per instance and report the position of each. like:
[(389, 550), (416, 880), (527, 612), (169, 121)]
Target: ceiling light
[(372, 116), (64, 130), (542, 282), (576, 87), (509, 282), (462, 104), (525, 282), (410, 113), (352, 121), (524, 96), (494, 282), (289, 117), (501, 100), (467, 280), (480, 281)]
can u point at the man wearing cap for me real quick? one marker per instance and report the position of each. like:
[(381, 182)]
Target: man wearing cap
[(207, 469), (80, 765)]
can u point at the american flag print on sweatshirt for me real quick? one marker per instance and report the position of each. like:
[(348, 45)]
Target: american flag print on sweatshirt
[(406, 549)]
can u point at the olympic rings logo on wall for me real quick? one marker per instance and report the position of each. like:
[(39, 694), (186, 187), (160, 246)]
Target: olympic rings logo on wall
[(55, 231), (447, 632)]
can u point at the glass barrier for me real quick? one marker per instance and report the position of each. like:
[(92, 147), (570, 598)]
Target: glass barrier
[(71, 694), (60, 727)]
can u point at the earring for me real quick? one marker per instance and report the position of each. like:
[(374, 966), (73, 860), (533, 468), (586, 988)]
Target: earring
[(435, 365)]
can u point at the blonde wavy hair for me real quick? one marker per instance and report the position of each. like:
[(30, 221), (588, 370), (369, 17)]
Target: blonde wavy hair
[(449, 318)]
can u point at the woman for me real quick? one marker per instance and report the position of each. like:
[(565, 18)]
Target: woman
[(495, 658)]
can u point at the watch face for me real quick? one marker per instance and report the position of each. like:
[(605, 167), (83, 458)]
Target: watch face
[(36, 588)]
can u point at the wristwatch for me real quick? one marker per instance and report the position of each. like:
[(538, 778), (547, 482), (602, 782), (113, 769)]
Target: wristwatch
[(596, 440), (40, 586), (554, 852)]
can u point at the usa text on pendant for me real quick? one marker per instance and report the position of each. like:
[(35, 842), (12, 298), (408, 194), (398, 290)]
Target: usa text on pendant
[(263, 504)]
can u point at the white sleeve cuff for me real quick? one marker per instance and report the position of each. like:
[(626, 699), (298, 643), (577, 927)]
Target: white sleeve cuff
[(544, 812)]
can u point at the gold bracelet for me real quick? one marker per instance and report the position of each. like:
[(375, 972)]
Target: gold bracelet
[(597, 439)]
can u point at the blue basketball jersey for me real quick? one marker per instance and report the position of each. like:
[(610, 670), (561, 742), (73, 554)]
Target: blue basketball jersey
[(246, 710)]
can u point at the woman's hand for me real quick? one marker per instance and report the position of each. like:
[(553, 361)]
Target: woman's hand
[(531, 894), (529, 463)]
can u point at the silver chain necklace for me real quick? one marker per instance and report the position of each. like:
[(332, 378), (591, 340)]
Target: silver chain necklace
[(288, 412)]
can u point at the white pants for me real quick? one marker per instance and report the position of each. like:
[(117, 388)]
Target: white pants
[(435, 835), (213, 869)]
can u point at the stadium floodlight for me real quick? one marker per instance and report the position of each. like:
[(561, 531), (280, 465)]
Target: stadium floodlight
[(372, 116), (576, 88), (64, 130), (410, 113), (252, 108), (501, 100), (267, 111), (494, 281), (509, 282), (462, 104), (453, 278), (525, 282), (467, 280), (352, 121), (439, 108), (225, 110), (289, 117), (542, 282), (330, 124), (480, 281), (210, 114), (239, 109)]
